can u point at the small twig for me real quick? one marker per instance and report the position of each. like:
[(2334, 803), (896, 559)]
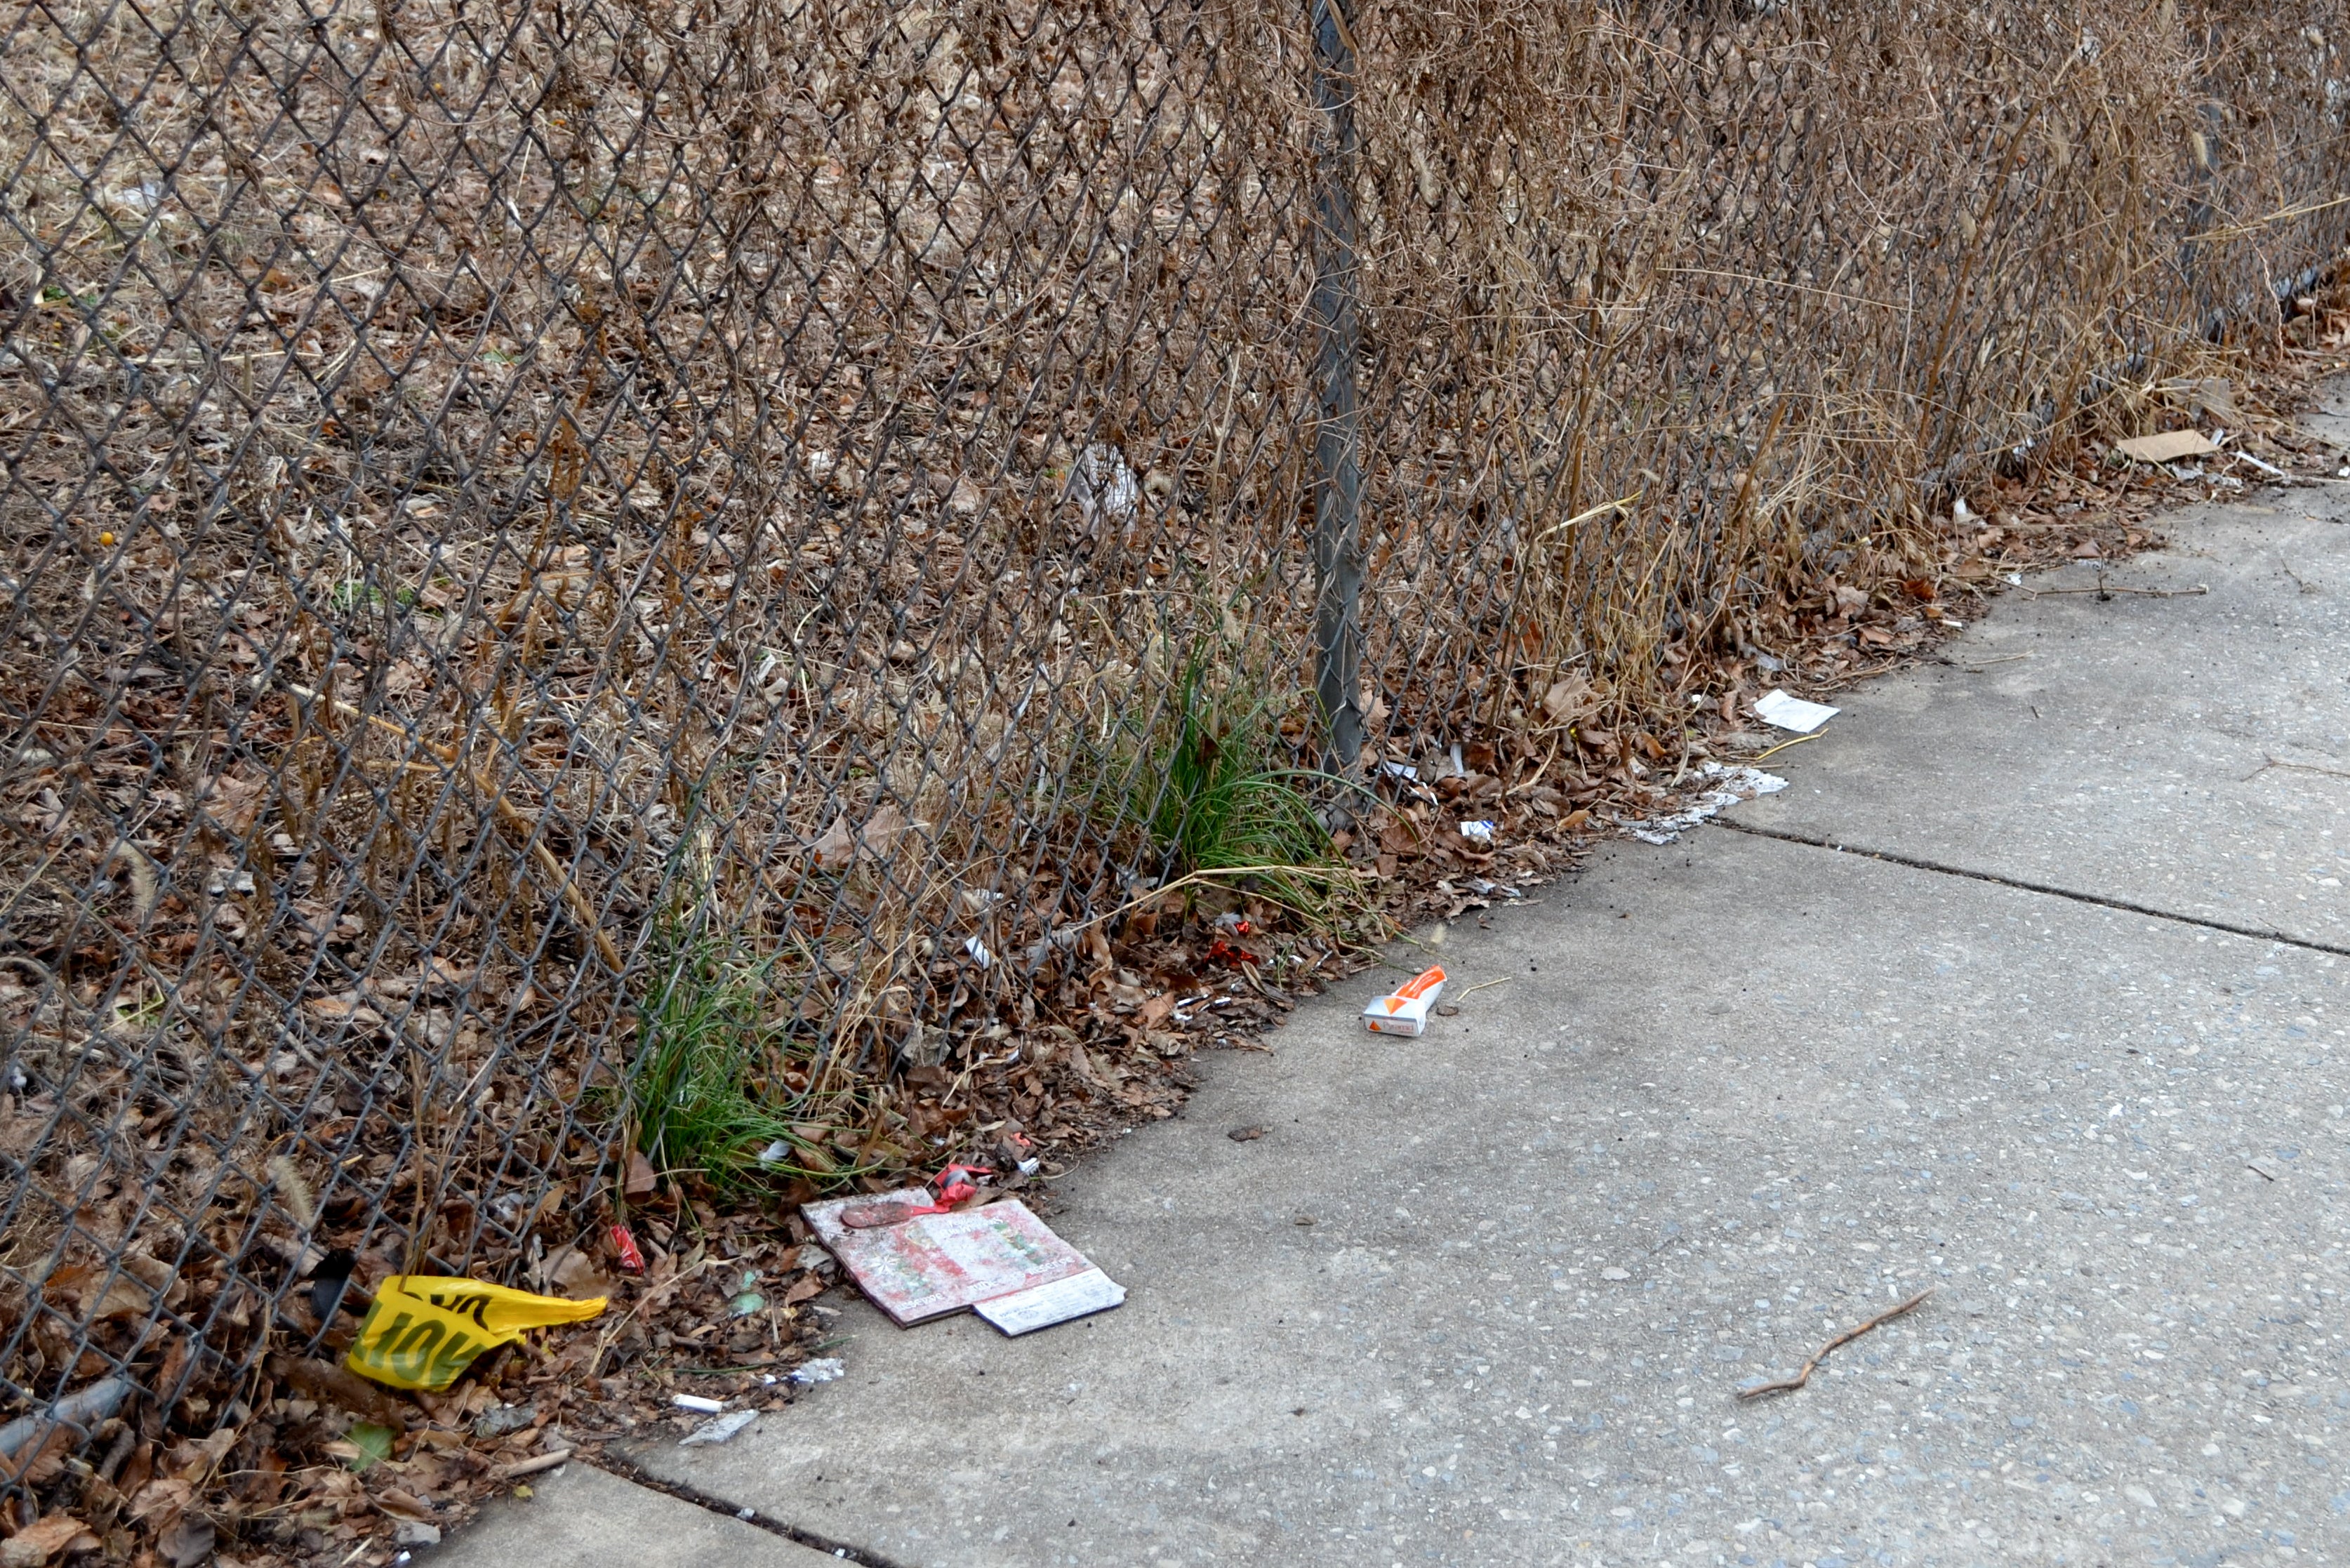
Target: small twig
[(1789, 1385), (1009, 1056), (1784, 745), (1619, 504), (1484, 985), (657, 1293), (531, 1466), (730, 1371), (1978, 668), (2297, 767)]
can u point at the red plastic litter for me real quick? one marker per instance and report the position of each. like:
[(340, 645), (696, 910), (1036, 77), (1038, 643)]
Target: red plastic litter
[(1223, 952), (957, 1182), (624, 1244), (954, 1185)]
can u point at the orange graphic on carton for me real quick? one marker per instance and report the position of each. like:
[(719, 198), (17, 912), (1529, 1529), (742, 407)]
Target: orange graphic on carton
[(1404, 1010)]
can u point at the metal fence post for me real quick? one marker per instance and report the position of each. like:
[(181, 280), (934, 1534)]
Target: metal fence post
[(1338, 430)]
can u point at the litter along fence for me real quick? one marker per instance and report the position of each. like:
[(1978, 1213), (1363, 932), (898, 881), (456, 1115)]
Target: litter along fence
[(604, 579)]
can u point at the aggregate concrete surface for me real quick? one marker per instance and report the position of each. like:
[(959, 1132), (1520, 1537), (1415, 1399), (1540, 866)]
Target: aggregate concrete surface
[(579, 1517), (1487, 1296), (2162, 750)]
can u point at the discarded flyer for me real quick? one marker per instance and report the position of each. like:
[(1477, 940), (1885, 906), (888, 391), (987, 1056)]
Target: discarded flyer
[(998, 1260), (1776, 707), (1404, 1010), (2167, 447)]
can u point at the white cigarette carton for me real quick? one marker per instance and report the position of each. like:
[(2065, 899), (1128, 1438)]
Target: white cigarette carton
[(1404, 1010)]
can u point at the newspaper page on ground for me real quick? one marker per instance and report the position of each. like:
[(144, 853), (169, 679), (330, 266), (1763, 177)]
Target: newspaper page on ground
[(999, 1259)]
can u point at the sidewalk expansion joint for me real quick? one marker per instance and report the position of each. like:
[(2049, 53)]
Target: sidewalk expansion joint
[(2259, 933), (613, 1464)]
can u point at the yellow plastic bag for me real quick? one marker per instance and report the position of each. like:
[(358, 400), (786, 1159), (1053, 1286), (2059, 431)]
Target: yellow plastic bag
[(423, 1331)]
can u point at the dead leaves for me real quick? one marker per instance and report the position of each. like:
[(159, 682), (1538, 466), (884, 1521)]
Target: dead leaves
[(346, 1008), (45, 1537), (102, 1296), (397, 1504), (229, 803), (434, 975), (568, 1271), (161, 1498), (837, 846), (331, 1384), (1570, 699), (187, 1541)]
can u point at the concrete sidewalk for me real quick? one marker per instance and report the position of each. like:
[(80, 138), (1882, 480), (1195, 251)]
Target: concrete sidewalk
[(1485, 1297)]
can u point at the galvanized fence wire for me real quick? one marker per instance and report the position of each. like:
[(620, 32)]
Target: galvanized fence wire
[(517, 514)]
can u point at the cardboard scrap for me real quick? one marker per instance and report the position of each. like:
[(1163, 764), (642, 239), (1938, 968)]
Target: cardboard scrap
[(2167, 447), (999, 1259), (1404, 1010)]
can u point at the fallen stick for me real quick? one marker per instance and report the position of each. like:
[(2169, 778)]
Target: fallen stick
[(1789, 1385), (1784, 745), (531, 1466), (2297, 767)]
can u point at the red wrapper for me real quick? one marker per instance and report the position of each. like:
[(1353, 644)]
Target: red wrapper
[(631, 1261)]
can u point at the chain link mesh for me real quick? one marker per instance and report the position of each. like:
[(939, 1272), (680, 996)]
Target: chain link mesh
[(513, 510)]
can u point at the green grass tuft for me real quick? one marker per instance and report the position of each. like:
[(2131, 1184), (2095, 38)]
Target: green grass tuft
[(1205, 784), (705, 1055)]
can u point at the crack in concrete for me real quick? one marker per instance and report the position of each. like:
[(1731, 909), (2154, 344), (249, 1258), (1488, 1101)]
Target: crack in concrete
[(614, 1464), (2259, 933)]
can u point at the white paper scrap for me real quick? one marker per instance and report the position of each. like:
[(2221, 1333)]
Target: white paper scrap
[(1058, 1302), (1792, 712), (719, 1430), (1731, 785)]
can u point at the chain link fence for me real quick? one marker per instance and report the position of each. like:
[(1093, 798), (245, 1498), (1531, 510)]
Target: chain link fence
[(535, 530)]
